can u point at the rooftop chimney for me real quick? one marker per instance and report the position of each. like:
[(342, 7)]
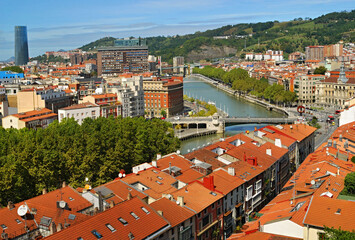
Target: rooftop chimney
[(335, 144), (10, 205), (231, 171), (160, 212), (154, 163), (268, 152), (52, 228), (64, 184), (158, 156), (112, 204), (59, 227), (129, 196), (44, 191), (180, 199)]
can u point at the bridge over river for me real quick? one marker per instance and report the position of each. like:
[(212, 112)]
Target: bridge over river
[(218, 123)]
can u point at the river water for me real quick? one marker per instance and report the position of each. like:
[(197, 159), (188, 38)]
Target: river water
[(235, 107)]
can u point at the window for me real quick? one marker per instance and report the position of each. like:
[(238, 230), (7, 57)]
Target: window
[(109, 226), (96, 234), (249, 192), (145, 210), (124, 222), (71, 199), (213, 205), (18, 221), (134, 215), (3, 226), (199, 215), (219, 211)]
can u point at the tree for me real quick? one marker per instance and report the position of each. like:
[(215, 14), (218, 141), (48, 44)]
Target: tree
[(242, 56), (336, 234), (16, 69), (349, 184), (163, 112), (320, 70), (353, 159)]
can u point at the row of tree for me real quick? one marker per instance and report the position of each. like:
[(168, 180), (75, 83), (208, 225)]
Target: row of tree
[(31, 160), (240, 80)]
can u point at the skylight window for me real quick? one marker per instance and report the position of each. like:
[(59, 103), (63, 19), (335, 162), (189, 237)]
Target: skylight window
[(71, 199), (18, 221), (3, 226), (124, 222), (109, 226), (298, 206), (72, 216), (134, 215), (213, 193), (159, 177), (158, 182), (145, 210), (96, 234)]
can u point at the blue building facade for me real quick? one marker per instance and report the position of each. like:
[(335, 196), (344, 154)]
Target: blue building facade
[(21, 45), (10, 77)]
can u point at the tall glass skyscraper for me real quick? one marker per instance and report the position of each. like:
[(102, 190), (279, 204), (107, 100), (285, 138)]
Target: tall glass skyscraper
[(21, 45)]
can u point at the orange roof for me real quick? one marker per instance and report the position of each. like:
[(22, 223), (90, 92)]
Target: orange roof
[(120, 191), (173, 212), (45, 205), (32, 113), (147, 223), (261, 236), (156, 181), (197, 197), (45, 116), (107, 95), (296, 131), (330, 212), (81, 105), (224, 182), (206, 156), (189, 175)]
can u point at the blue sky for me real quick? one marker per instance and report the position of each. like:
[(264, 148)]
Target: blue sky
[(54, 25)]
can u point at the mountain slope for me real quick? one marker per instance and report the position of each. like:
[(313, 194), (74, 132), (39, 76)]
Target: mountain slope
[(287, 36)]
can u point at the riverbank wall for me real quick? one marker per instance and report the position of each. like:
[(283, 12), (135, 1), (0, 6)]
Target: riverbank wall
[(230, 91)]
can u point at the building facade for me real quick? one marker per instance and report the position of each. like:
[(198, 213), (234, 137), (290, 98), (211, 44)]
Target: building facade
[(31, 119), (21, 45), (8, 77), (113, 61), (109, 105), (305, 88), (178, 64), (130, 93), (163, 95), (315, 53), (79, 112)]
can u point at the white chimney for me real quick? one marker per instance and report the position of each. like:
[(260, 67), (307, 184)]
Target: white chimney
[(158, 156), (268, 152), (180, 199), (231, 171), (154, 163), (178, 152)]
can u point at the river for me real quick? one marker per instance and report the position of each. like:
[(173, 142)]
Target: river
[(235, 107)]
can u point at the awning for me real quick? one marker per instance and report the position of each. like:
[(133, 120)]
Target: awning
[(227, 213), (238, 205)]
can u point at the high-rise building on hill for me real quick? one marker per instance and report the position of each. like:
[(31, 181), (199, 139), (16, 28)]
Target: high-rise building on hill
[(21, 45)]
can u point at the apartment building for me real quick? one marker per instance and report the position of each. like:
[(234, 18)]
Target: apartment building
[(113, 61), (31, 119), (109, 105), (315, 53), (130, 93), (37, 98), (163, 94), (8, 77), (79, 112), (178, 64), (305, 88)]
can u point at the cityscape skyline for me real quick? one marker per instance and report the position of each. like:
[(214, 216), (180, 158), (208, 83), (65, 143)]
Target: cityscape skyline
[(149, 18)]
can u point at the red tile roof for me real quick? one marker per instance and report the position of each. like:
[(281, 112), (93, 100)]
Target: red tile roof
[(173, 212), (32, 113), (45, 205), (79, 106), (329, 212), (146, 225)]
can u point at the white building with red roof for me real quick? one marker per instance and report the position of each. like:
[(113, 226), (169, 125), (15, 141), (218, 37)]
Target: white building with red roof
[(79, 112)]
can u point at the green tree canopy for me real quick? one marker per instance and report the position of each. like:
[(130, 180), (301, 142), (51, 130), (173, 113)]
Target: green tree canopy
[(320, 70), (336, 234), (16, 69), (349, 184), (31, 160)]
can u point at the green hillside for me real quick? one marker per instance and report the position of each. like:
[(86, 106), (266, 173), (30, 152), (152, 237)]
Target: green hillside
[(288, 36)]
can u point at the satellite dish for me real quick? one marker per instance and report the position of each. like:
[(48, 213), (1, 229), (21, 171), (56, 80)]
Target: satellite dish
[(313, 182), (124, 175), (120, 175), (22, 210), (62, 204), (86, 179)]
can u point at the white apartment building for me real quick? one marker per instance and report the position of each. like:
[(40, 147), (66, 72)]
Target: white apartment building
[(305, 88), (79, 112), (130, 93)]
